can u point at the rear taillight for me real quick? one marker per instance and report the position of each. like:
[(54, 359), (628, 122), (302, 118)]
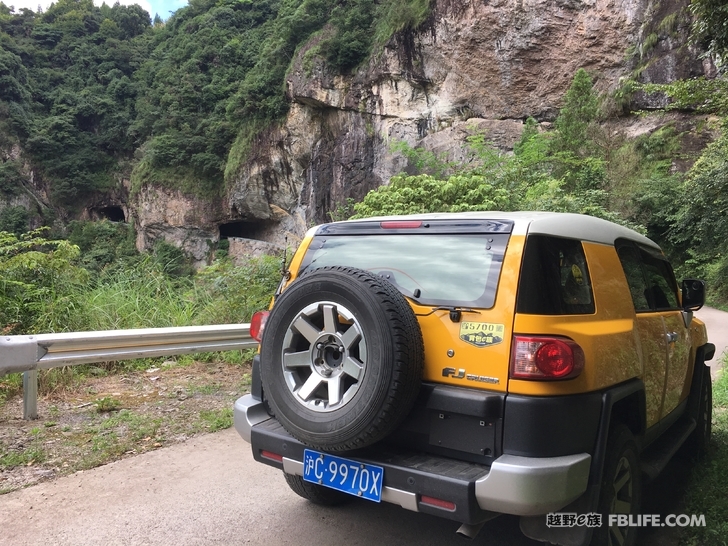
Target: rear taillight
[(545, 358), (257, 325)]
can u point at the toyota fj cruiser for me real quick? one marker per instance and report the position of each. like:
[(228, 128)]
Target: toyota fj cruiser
[(473, 364)]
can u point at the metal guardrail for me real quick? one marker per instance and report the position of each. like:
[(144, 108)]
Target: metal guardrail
[(28, 354)]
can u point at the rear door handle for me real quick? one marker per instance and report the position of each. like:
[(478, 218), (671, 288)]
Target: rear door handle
[(671, 337)]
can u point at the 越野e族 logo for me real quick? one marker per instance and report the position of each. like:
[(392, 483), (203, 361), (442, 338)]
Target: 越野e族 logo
[(481, 334)]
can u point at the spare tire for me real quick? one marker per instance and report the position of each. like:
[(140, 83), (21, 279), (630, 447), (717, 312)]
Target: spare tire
[(341, 358)]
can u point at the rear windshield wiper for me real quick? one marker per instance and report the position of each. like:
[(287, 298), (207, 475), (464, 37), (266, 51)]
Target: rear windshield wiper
[(456, 313)]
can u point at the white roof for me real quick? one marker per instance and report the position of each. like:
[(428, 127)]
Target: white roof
[(560, 224)]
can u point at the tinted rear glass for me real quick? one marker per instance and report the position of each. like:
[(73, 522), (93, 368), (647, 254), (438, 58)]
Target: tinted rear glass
[(433, 269), (554, 278)]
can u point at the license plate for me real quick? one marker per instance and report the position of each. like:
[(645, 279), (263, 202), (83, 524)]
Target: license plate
[(358, 479)]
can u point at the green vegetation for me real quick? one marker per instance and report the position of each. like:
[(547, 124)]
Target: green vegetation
[(93, 94), (67, 93), (700, 95), (52, 286), (9, 459), (574, 168), (38, 278), (706, 491), (107, 403), (710, 24), (217, 419), (14, 219), (579, 166), (103, 244), (699, 232)]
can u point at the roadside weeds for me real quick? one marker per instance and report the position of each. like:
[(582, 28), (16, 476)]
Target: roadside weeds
[(706, 492), (103, 419)]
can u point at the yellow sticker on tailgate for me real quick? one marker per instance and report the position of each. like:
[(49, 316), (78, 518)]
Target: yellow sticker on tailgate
[(482, 334)]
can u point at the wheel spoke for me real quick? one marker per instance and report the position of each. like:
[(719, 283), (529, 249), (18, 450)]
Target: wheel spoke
[(331, 319), (296, 360), (621, 482), (622, 507), (334, 390), (616, 532), (308, 388), (351, 337), (324, 356), (306, 329), (352, 368)]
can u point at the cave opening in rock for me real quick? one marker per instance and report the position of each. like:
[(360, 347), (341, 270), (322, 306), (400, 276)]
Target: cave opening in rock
[(244, 230), (112, 213)]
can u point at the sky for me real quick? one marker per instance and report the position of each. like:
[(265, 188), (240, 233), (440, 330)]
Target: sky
[(162, 7)]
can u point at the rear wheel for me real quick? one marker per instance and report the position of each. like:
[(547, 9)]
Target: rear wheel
[(621, 490), (317, 494), (341, 358)]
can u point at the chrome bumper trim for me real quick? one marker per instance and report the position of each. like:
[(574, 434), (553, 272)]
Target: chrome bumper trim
[(247, 413), (529, 486)]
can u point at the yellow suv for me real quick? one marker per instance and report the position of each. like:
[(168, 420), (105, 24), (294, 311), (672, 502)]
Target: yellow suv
[(467, 365)]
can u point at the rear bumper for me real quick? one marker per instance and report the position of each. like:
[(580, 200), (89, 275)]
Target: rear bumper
[(523, 486)]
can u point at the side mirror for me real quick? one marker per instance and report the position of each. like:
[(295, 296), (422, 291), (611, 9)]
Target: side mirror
[(693, 294)]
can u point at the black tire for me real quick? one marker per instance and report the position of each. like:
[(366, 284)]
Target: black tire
[(341, 358), (621, 489), (317, 494), (698, 444)]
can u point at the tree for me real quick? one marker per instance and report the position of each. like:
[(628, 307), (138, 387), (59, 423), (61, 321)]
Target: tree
[(710, 24), (14, 220), (499, 181), (700, 229), (38, 276), (579, 113)]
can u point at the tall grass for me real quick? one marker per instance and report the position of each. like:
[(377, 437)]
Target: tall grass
[(231, 294), (144, 295)]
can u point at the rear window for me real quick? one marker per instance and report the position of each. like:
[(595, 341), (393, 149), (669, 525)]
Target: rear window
[(456, 269), (554, 278)]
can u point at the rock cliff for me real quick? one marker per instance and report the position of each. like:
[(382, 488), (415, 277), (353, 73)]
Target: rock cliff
[(474, 67)]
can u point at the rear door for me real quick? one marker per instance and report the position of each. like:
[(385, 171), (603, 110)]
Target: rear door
[(650, 327), (662, 294), (451, 272), (664, 337)]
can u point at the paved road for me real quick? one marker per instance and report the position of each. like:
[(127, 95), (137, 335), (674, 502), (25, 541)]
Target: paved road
[(717, 324), (210, 491)]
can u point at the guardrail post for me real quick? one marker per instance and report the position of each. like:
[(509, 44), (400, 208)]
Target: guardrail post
[(30, 395)]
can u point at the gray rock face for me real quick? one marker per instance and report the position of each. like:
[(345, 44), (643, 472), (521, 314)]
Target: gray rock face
[(188, 223), (474, 67)]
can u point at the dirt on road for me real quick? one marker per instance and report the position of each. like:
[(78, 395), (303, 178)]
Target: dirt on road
[(111, 417)]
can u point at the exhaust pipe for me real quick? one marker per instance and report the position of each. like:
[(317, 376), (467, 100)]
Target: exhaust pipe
[(467, 530), (470, 531)]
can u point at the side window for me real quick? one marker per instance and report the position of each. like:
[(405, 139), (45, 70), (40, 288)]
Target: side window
[(649, 276), (632, 266), (661, 285), (554, 278)]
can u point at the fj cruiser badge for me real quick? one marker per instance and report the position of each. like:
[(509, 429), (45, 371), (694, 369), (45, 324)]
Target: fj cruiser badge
[(481, 334)]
